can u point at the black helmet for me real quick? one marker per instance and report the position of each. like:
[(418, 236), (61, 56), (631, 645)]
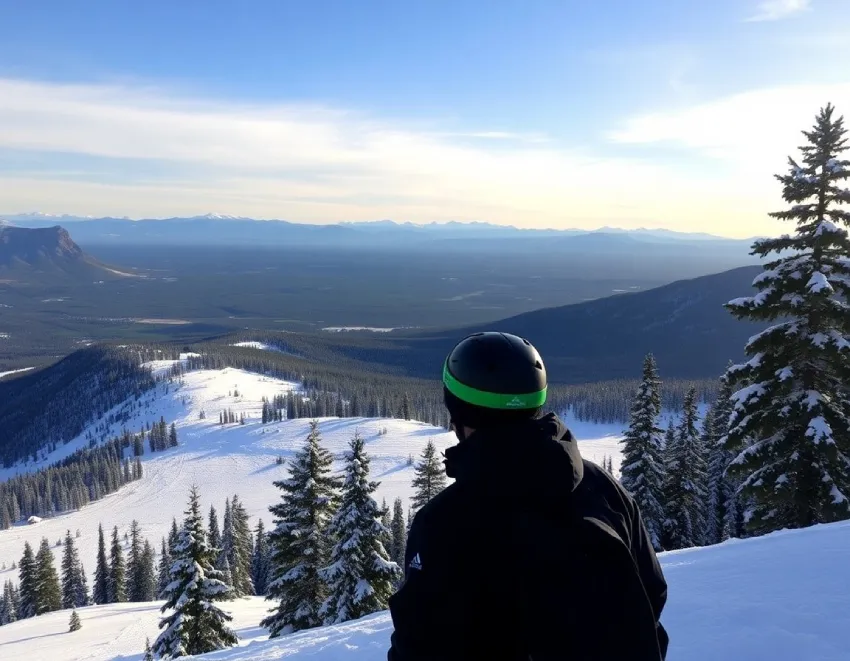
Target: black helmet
[(493, 378)]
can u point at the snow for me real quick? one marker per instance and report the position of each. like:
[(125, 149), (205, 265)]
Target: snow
[(113, 631), (223, 460), (818, 283), (782, 597), (827, 227), (261, 346), (345, 329), (18, 371)]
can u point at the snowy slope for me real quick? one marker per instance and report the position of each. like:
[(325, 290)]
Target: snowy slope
[(114, 631), (783, 597), (225, 460)]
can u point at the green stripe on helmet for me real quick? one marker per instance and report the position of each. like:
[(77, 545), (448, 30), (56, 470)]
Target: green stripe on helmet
[(492, 400)]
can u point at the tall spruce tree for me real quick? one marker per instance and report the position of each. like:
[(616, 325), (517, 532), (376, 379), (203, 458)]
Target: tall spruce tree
[(173, 536), (429, 476), (48, 593), (74, 592), (685, 485), (300, 546), (135, 569), (790, 425), (100, 593), (361, 576), (721, 489), (27, 573), (261, 561), (214, 531), (164, 569), (146, 577), (117, 570), (642, 468), (241, 549), (196, 625), (8, 607), (399, 533)]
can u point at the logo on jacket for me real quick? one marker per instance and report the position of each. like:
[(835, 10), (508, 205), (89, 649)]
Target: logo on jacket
[(516, 402), (416, 563)]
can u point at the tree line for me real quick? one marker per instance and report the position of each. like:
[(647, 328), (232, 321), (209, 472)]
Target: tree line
[(83, 477)]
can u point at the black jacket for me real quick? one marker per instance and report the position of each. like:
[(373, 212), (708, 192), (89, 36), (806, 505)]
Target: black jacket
[(532, 553)]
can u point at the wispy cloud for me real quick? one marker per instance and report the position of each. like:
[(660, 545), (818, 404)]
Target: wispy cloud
[(774, 10), (321, 164)]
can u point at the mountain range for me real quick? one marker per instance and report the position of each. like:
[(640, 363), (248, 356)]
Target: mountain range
[(220, 229)]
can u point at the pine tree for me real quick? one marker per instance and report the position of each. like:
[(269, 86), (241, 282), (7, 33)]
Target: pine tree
[(27, 572), (361, 575), (790, 425), (642, 468), (100, 595), (686, 482), (721, 489), (83, 598), (135, 569), (173, 536), (48, 593), (8, 607), (214, 531), (146, 574), (164, 569), (74, 624), (148, 656), (300, 547), (196, 625), (172, 436), (429, 476), (241, 549), (73, 590), (399, 533), (261, 561), (117, 571)]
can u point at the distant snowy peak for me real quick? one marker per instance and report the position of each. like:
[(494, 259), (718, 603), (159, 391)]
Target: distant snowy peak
[(38, 215), (215, 216)]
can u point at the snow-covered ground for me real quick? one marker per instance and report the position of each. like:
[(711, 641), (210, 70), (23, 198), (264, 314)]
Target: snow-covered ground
[(783, 597), (223, 460), (113, 631), (18, 371)]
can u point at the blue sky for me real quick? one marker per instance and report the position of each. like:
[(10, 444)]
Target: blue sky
[(664, 113)]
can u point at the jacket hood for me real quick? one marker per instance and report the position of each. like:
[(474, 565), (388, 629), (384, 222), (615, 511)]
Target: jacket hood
[(538, 460)]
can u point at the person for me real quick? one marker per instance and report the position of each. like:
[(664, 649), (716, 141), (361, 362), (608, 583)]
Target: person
[(532, 553)]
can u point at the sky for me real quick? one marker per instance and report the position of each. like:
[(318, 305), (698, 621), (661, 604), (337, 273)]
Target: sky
[(535, 113)]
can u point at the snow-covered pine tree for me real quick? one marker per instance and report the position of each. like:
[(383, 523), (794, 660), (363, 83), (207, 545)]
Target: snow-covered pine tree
[(214, 531), (361, 576), (28, 585), (48, 593), (642, 467), (241, 549), (83, 598), (147, 578), (196, 625), (685, 485), (117, 571), (148, 655), (74, 624), (261, 561), (172, 436), (429, 476), (73, 590), (794, 406), (134, 564), (721, 490), (300, 547), (100, 593), (8, 608), (399, 533), (164, 569), (173, 536)]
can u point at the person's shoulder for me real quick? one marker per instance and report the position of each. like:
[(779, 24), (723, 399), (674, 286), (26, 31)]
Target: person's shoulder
[(598, 484), (445, 501)]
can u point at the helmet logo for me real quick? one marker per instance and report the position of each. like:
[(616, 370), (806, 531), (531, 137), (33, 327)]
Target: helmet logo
[(516, 402)]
